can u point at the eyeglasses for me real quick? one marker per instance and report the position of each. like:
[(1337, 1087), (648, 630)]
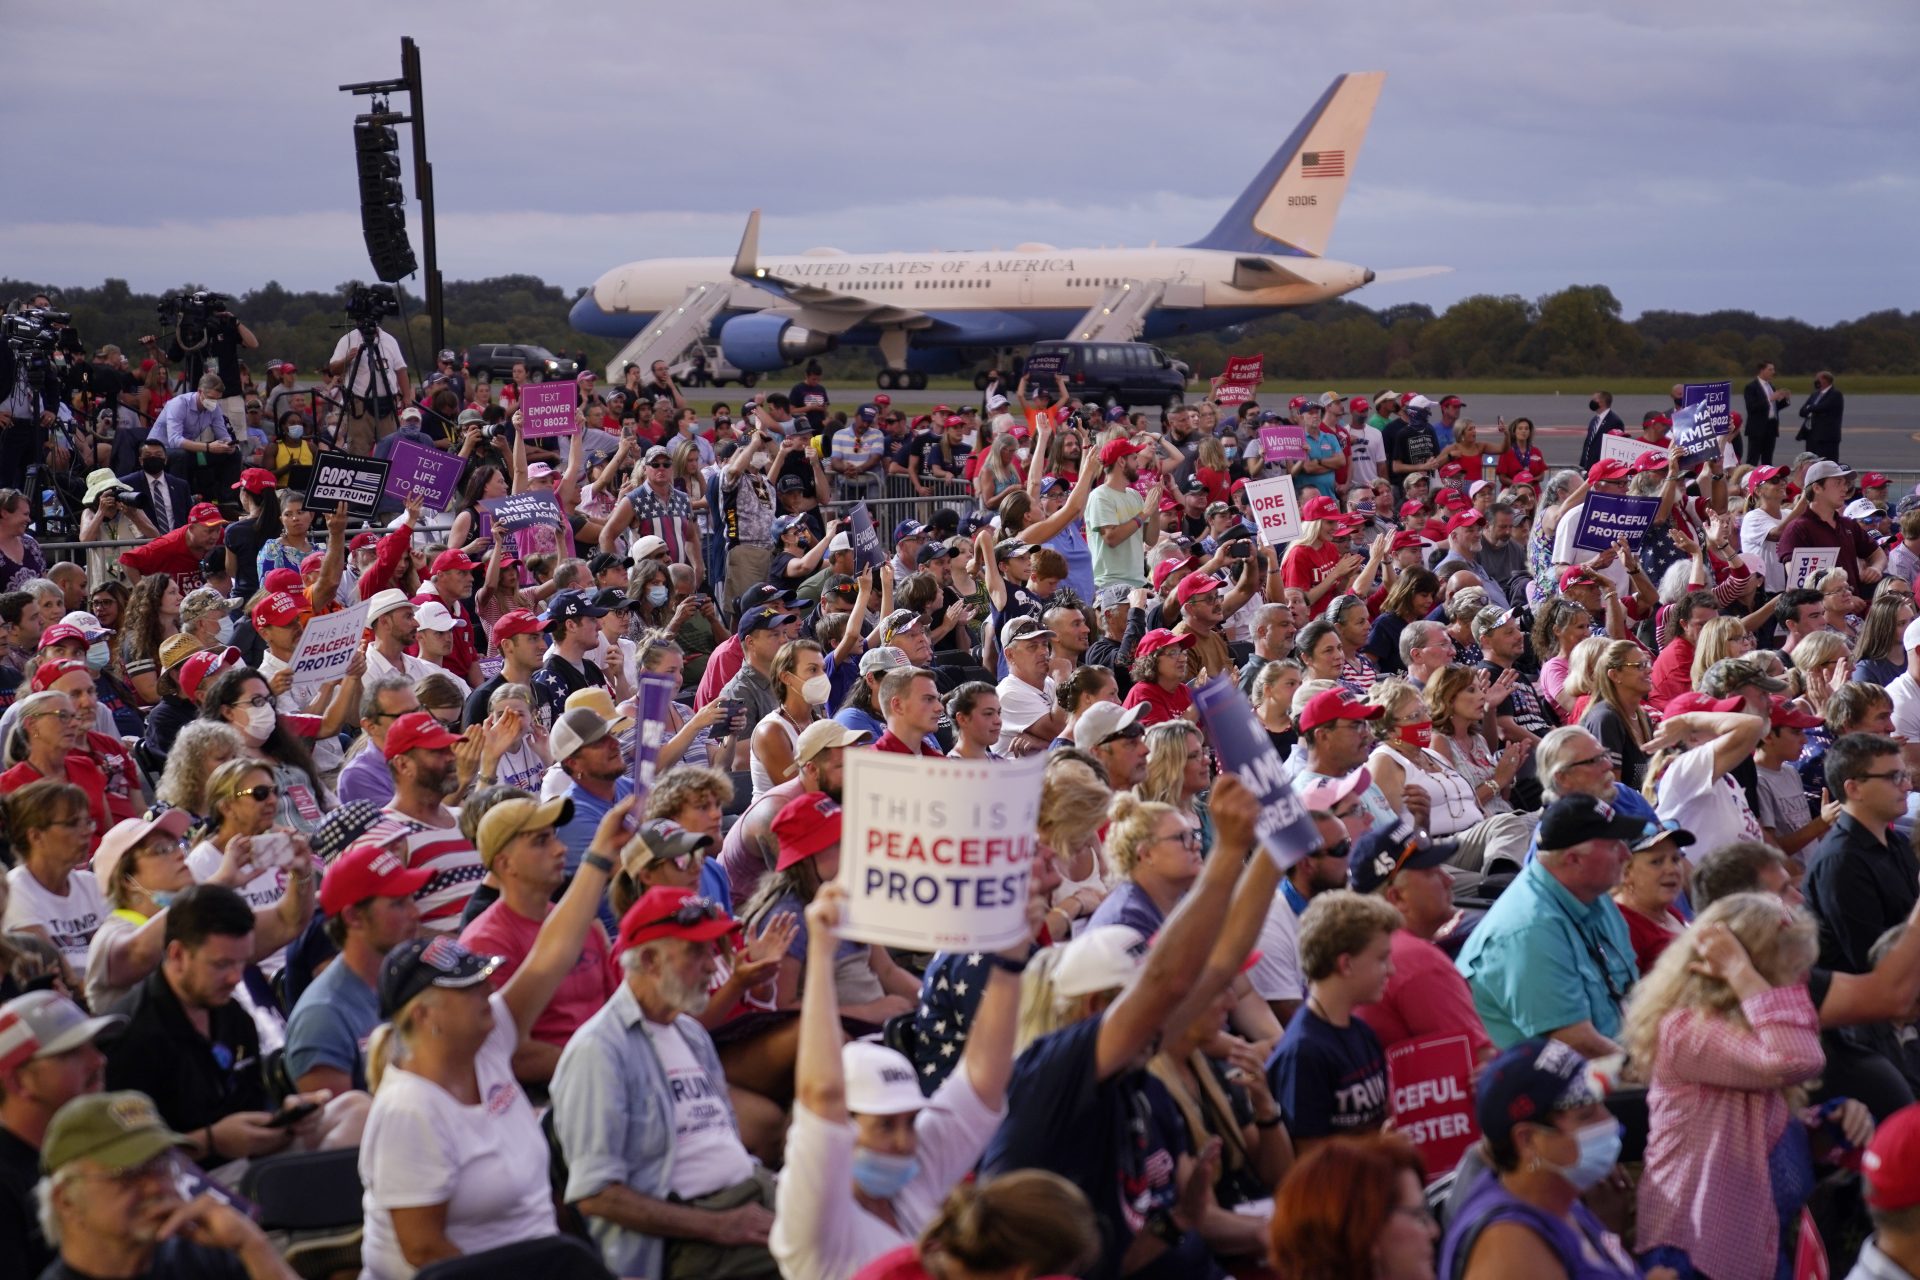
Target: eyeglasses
[(1338, 850), (256, 702), (264, 791), (1418, 1212), (659, 466), (1899, 777), (1581, 764), (1189, 838), (1633, 666), (84, 822), (64, 717)]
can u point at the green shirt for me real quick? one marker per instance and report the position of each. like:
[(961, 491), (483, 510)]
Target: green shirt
[(1534, 962), (1123, 563)]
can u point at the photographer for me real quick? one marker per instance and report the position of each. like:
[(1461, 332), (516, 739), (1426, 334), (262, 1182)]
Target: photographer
[(204, 326), (376, 375), (30, 388), (200, 442)]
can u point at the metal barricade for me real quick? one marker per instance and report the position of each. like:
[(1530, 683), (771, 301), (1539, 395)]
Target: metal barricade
[(898, 500)]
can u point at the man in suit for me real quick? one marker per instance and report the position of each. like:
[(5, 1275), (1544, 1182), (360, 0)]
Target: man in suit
[(1604, 421), (163, 497), (1820, 425), (1764, 403)]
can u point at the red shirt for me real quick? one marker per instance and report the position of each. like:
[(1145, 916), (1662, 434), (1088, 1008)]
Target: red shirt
[(1514, 461), (82, 773), (1162, 704), (900, 747), (1650, 937), (1672, 672), (723, 664), (1306, 567), (119, 773), (167, 554), (1425, 996), (504, 932)]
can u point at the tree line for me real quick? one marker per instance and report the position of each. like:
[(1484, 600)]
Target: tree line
[(1573, 332)]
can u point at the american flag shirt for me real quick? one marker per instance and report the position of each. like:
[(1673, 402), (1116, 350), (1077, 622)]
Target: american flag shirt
[(455, 864)]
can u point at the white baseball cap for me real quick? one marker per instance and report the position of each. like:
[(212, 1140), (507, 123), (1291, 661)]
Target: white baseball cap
[(1104, 719), (1105, 958), (1824, 470), (1861, 509), (879, 1081), (385, 602), (433, 616), (648, 547), (840, 542), (1909, 641)]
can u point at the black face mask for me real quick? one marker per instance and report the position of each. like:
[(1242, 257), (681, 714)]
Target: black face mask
[(153, 466), (1593, 405)]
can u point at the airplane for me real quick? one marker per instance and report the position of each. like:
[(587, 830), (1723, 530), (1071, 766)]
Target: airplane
[(944, 311)]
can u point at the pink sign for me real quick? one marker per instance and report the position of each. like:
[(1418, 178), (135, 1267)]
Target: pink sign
[(546, 409), (1430, 1081), (1283, 443)]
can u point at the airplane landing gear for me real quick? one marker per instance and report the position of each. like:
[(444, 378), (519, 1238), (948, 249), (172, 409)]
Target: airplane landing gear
[(901, 380)]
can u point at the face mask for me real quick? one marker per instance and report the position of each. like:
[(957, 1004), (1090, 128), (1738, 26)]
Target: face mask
[(1594, 405), (762, 459), (656, 596), (162, 898), (153, 466), (208, 403), (98, 655), (883, 1176), (1232, 451), (295, 431), (816, 691), (1417, 735), (1599, 1152), (1023, 454), (260, 722), (225, 633)]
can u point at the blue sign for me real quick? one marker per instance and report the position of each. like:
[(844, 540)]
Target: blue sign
[(1693, 432), (1712, 401), (1285, 830), (1608, 517), (1042, 369), (656, 698), (867, 551)]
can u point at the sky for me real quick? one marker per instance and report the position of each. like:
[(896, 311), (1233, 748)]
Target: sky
[(1690, 156)]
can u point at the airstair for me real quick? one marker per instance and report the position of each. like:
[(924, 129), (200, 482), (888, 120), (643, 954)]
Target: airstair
[(673, 331)]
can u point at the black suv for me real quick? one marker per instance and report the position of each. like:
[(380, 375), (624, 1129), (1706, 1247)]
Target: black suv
[(1126, 373), (496, 360)]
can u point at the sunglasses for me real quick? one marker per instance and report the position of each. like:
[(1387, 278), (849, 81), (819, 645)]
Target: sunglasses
[(693, 911), (264, 791)]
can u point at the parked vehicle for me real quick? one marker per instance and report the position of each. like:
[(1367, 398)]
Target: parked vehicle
[(496, 360), (707, 365), (1126, 373)]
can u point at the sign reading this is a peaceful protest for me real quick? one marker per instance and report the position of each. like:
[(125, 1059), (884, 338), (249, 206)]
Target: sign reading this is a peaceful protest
[(1809, 564), (327, 645)]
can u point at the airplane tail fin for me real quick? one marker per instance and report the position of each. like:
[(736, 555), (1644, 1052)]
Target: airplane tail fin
[(1291, 204)]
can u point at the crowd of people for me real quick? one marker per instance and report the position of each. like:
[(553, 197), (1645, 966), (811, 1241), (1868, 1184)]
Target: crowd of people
[(1630, 825)]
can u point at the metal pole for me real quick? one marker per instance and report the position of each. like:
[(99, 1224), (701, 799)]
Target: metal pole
[(423, 183)]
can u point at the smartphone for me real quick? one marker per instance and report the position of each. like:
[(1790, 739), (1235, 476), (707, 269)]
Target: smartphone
[(272, 851), (1240, 550), (288, 1116)]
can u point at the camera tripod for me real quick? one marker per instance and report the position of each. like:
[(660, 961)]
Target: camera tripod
[(365, 408)]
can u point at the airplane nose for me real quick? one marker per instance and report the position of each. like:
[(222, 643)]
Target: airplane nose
[(587, 317), (1368, 278)]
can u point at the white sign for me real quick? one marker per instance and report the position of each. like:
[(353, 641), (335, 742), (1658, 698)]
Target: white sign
[(1276, 511), (1808, 563), (1625, 448), (326, 647), (937, 854)]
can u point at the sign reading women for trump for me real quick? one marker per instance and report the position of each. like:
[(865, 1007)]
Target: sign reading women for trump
[(936, 854), (1608, 517)]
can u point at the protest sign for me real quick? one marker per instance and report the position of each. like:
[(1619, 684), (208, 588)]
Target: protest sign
[(1808, 563), (1430, 1082), (1694, 434), (1284, 829), (936, 853), (1275, 510), (1224, 392), (348, 478), (867, 551), (1283, 444), (416, 469), (1042, 369), (546, 409), (1244, 371), (1711, 402), (327, 644), (1605, 518), (523, 511), (491, 667), (1809, 1251), (1624, 448), (656, 697)]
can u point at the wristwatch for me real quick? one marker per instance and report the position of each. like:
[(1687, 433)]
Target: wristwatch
[(599, 862), (1161, 1226)]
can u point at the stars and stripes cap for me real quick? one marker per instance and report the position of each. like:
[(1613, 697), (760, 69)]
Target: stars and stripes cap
[(42, 1024), (438, 961)]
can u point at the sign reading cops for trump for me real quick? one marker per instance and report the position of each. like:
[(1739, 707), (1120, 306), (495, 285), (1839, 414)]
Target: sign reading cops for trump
[(1276, 511), (656, 696), (865, 538), (1608, 517), (433, 475), (343, 477), (523, 511), (1712, 403), (1285, 829), (546, 409), (1809, 564), (936, 854), (327, 645), (1430, 1082), (1695, 436), (1283, 444)]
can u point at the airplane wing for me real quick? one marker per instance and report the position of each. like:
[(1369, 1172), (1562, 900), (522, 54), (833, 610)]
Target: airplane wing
[(823, 310)]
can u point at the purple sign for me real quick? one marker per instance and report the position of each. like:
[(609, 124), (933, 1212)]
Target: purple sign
[(1283, 444), (523, 511), (1285, 829), (1608, 517), (867, 551), (656, 697), (1693, 432), (546, 409), (1710, 401), (415, 469)]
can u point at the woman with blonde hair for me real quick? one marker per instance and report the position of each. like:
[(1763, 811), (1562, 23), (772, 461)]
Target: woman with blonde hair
[(1582, 666), (1824, 665), (1178, 773), (1727, 1036), (1617, 716), (1022, 1224), (200, 748), (1073, 808), (1155, 852), (1880, 654), (1843, 608), (799, 678), (1459, 806), (1720, 639)]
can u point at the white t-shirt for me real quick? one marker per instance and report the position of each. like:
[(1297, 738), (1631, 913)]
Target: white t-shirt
[(262, 893), (70, 921), (387, 349), (1905, 692), (821, 1233), (707, 1154), (327, 753), (487, 1163), (1754, 528), (1277, 976), (1709, 804), (1564, 552), (1020, 705), (1368, 451)]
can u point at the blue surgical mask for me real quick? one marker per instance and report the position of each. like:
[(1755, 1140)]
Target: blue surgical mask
[(883, 1176), (1232, 451), (98, 655), (225, 632), (656, 596), (1599, 1152), (295, 431)]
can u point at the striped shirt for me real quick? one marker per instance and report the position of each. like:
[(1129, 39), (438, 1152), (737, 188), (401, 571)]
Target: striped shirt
[(455, 863)]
